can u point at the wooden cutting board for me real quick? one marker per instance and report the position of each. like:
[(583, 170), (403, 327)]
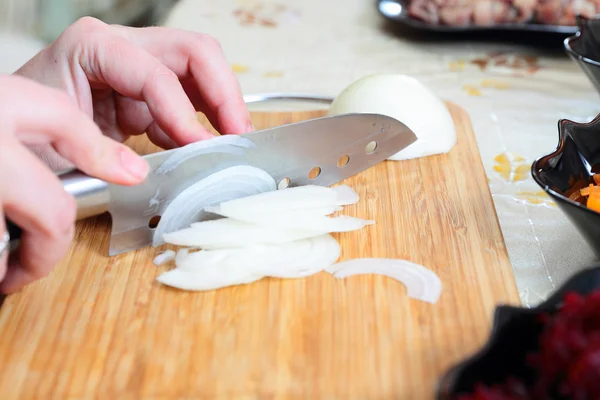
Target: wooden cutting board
[(101, 327)]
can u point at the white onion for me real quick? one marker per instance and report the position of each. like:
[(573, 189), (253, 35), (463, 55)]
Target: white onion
[(233, 144), (421, 283), (210, 279), (406, 99), (164, 257), (295, 198), (230, 183), (213, 269), (302, 219), (303, 207), (226, 232), (268, 232)]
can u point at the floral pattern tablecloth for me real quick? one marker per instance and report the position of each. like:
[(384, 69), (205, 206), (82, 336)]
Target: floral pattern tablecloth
[(514, 94)]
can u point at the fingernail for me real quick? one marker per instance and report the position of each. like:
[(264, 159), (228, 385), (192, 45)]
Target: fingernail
[(133, 163), (250, 127)]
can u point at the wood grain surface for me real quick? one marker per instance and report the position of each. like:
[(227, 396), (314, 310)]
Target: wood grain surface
[(101, 327)]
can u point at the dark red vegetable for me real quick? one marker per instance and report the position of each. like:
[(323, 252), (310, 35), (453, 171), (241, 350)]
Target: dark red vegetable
[(567, 363)]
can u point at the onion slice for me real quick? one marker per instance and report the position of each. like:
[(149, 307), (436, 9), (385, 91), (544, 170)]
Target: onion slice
[(304, 220), (302, 207), (295, 198), (164, 257), (209, 279), (225, 232), (421, 283), (213, 269), (233, 144), (230, 183)]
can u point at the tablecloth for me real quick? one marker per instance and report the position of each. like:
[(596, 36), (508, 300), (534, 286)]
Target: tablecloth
[(514, 93)]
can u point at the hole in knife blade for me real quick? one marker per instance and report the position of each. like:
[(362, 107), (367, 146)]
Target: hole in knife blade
[(370, 148), (284, 183), (343, 161), (314, 173), (153, 223)]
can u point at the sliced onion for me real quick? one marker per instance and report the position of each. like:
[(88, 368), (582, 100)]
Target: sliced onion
[(295, 198), (233, 144), (303, 207), (225, 232), (231, 183), (164, 257), (211, 278), (319, 253), (302, 219), (421, 283), (345, 195), (212, 269)]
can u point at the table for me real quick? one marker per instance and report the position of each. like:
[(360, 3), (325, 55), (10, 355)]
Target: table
[(515, 95)]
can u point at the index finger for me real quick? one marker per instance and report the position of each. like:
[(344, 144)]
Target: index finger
[(39, 115), (198, 56), (109, 59)]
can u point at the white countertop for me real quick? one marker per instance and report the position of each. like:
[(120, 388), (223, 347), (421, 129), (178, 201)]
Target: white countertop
[(315, 46)]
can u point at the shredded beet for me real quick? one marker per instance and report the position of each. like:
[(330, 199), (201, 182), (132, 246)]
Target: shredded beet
[(567, 363)]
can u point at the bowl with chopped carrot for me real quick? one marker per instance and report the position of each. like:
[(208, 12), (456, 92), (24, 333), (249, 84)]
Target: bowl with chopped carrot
[(551, 351), (571, 176)]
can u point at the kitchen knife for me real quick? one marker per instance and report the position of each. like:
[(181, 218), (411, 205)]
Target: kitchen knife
[(288, 153)]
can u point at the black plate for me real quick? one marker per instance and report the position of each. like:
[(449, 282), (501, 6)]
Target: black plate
[(574, 159), (397, 10), (515, 332)]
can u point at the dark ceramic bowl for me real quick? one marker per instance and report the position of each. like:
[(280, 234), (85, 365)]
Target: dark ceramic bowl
[(515, 333), (569, 167), (584, 48), (397, 10)]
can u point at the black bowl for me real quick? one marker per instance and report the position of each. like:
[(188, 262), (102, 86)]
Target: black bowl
[(569, 167), (584, 48), (515, 332)]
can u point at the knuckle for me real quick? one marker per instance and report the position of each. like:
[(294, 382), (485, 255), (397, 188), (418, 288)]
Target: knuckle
[(206, 42), (87, 25), (165, 72), (162, 72)]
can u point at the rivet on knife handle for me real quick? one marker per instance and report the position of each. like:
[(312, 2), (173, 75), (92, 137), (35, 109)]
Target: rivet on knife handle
[(91, 195)]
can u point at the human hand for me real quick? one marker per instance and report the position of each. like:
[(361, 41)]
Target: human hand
[(31, 195), (141, 80)]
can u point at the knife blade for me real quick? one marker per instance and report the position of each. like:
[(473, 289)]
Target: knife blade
[(288, 153)]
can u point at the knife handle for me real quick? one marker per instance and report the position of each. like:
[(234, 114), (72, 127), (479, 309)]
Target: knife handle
[(91, 195)]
